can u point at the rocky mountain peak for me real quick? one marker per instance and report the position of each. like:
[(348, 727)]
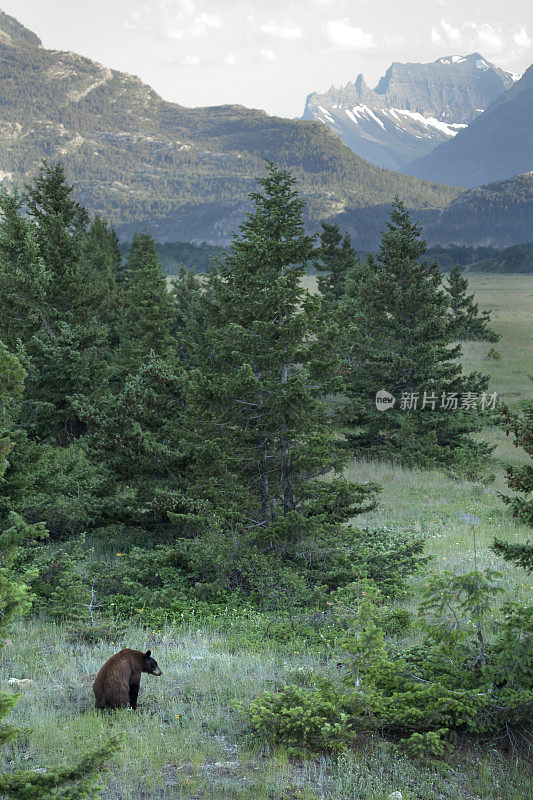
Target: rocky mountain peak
[(413, 108), (13, 32)]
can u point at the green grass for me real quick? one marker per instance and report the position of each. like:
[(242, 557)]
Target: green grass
[(187, 742)]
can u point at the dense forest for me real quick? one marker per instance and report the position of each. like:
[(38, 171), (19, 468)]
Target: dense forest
[(170, 450)]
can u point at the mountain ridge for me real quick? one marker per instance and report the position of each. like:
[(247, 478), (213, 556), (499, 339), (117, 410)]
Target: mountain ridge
[(16, 33), (184, 173), (413, 108)]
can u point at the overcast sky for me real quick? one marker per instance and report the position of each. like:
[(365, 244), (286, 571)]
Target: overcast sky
[(271, 54)]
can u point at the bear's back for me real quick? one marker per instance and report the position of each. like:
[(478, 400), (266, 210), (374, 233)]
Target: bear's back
[(114, 676)]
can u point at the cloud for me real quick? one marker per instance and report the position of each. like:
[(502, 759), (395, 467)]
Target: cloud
[(470, 36), (194, 60), (345, 36), (273, 28), (173, 19), (487, 38), (521, 38), (188, 61), (395, 40), (195, 27), (453, 34)]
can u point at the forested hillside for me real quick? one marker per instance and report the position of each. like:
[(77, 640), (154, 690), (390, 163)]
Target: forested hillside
[(184, 173)]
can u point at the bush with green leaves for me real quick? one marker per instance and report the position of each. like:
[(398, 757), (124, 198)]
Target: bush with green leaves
[(304, 719), (465, 676)]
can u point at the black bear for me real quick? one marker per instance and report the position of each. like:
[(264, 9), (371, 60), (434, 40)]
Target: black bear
[(117, 683)]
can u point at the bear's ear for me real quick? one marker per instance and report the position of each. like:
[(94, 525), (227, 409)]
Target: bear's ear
[(148, 654)]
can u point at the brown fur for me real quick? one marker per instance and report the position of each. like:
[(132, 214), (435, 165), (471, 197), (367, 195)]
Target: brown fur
[(117, 683)]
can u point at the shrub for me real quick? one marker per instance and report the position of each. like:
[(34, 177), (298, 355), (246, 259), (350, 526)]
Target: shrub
[(303, 719), (463, 677)]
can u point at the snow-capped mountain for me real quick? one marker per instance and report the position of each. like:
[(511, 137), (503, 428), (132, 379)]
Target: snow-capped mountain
[(413, 108)]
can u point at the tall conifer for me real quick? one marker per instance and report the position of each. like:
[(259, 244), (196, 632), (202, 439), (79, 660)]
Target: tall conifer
[(404, 346), (62, 341), (334, 259), (260, 429), (466, 322), (146, 315)]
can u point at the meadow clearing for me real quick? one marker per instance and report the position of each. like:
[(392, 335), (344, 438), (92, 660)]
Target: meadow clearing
[(187, 741)]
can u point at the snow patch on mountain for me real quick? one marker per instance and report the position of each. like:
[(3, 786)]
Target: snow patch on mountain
[(448, 128)]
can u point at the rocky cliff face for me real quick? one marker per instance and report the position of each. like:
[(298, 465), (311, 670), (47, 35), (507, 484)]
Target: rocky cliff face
[(413, 108)]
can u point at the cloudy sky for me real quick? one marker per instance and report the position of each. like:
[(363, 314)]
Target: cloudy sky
[(271, 53)]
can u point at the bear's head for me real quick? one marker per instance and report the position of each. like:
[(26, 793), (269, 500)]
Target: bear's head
[(150, 664)]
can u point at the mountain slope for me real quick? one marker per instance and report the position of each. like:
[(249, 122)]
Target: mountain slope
[(184, 173), (11, 31), (497, 215), (497, 145), (413, 108)]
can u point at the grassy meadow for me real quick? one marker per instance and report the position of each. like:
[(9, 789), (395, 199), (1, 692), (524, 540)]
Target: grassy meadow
[(187, 741)]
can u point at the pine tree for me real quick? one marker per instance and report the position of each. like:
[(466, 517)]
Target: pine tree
[(137, 433), (402, 345), (519, 480), (189, 320), (102, 262), (258, 425), (146, 315), (466, 322), (24, 278), (334, 258), (58, 223), (18, 456), (60, 338)]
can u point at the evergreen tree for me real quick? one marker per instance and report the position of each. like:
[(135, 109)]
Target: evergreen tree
[(403, 346), (258, 424), (59, 225), (334, 258), (102, 262), (519, 480), (189, 319), (137, 433), (466, 322), (24, 278), (60, 338), (146, 315), (17, 455)]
